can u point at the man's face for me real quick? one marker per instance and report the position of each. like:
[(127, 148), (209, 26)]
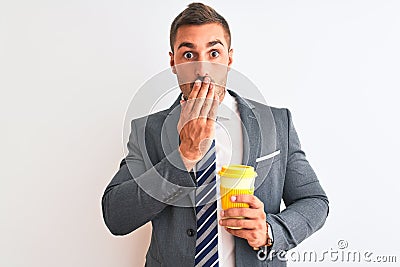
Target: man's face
[(200, 51)]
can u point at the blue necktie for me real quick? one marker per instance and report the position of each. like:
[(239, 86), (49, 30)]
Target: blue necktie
[(206, 211)]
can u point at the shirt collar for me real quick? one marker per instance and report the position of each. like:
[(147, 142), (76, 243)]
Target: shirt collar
[(226, 109)]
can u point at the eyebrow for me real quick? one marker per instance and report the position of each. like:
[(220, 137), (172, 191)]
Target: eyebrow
[(191, 45), (186, 44), (215, 42)]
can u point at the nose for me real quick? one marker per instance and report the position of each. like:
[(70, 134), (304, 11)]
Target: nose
[(202, 68)]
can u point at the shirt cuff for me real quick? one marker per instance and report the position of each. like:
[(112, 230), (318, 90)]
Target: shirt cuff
[(270, 235)]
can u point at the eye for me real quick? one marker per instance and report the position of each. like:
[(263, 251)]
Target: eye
[(188, 55), (214, 53)]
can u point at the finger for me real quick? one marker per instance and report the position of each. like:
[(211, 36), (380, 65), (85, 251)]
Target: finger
[(195, 90), (253, 238), (211, 91), (183, 104), (241, 223), (252, 200), (208, 102), (193, 95), (184, 114), (204, 87), (238, 232), (243, 212), (212, 114), (198, 104)]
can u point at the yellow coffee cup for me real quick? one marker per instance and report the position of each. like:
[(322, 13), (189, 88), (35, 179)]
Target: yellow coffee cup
[(236, 180)]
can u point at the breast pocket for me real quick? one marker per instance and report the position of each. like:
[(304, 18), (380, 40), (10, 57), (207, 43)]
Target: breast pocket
[(269, 156), (267, 163)]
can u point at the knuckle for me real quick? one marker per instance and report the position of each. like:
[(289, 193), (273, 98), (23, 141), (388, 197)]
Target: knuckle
[(253, 236), (233, 212), (263, 216), (228, 213), (242, 212)]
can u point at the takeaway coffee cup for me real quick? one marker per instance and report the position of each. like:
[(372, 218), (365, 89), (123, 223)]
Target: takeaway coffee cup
[(236, 180)]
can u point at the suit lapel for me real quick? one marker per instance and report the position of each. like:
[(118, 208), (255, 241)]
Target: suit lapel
[(169, 132), (251, 130)]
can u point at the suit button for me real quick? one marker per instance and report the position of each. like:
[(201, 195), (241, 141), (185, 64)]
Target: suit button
[(190, 232)]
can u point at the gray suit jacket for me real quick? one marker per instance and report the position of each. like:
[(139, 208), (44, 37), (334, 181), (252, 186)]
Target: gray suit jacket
[(152, 184)]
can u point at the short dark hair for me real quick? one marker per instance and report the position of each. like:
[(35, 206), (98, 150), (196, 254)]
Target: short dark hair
[(197, 14)]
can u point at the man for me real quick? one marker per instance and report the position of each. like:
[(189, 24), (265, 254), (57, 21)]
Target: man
[(160, 179)]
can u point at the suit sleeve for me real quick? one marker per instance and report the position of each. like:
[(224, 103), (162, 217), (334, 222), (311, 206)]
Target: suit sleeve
[(305, 200), (136, 195)]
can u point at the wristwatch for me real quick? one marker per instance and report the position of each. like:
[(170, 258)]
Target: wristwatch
[(270, 237)]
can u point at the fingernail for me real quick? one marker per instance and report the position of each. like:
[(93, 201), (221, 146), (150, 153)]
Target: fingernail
[(220, 222), (222, 213), (207, 80), (233, 198), (197, 82)]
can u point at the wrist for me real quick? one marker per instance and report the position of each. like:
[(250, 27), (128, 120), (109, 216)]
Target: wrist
[(190, 151), (263, 251), (188, 159), (268, 238)]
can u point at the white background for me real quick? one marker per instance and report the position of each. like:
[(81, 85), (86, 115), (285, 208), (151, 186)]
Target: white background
[(69, 69)]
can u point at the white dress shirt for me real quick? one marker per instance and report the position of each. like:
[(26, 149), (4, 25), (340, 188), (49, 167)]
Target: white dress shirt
[(228, 139)]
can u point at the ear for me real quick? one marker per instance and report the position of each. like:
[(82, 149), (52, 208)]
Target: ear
[(230, 60), (172, 62)]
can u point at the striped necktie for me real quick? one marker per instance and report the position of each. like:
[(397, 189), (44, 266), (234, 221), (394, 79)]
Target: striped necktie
[(206, 211)]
